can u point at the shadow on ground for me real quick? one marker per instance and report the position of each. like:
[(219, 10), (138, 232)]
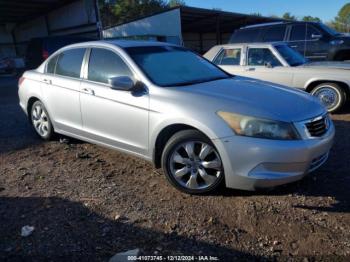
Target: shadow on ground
[(66, 230)]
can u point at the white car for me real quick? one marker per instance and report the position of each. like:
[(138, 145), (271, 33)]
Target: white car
[(278, 63)]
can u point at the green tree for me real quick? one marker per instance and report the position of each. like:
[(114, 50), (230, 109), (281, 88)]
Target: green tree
[(289, 16), (342, 20), (255, 14), (310, 18), (174, 3), (115, 12)]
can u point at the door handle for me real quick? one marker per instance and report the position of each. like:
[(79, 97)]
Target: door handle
[(294, 46), (250, 69), (47, 81), (88, 91)]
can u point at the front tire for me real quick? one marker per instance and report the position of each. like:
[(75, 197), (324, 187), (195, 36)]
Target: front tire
[(191, 163), (331, 95), (41, 121)]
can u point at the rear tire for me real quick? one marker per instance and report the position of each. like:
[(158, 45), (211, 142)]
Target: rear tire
[(191, 163), (41, 121), (331, 95)]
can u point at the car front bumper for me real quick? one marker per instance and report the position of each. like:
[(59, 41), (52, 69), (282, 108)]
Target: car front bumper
[(253, 163)]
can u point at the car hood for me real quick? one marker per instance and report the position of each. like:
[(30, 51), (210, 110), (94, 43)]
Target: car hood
[(328, 65), (252, 97)]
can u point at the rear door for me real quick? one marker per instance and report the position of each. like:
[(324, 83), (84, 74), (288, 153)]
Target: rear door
[(297, 37), (61, 89)]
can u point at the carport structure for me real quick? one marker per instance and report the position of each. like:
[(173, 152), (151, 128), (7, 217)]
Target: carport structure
[(196, 28), (204, 28), (22, 20)]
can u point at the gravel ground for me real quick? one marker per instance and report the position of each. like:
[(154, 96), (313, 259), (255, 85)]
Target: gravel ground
[(88, 203)]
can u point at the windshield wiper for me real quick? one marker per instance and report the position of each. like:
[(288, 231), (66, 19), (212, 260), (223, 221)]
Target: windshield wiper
[(198, 81)]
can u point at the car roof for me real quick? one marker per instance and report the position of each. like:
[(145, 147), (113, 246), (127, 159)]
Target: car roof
[(254, 44), (275, 24), (120, 43)]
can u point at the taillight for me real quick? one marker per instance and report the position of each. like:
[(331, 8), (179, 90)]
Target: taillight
[(20, 81), (45, 54)]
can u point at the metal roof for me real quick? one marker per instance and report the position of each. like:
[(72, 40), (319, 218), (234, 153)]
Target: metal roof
[(204, 20), (207, 20), (18, 11)]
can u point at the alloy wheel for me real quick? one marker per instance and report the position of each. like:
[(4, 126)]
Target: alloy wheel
[(40, 120), (195, 165)]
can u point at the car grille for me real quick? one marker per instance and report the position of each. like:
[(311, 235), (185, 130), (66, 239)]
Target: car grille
[(317, 127)]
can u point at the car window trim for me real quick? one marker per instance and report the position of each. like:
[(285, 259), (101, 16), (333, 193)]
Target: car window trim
[(86, 66)]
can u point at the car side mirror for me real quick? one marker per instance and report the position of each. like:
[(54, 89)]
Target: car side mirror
[(124, 83), (316, 36)]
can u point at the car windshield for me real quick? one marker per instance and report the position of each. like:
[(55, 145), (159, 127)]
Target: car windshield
[(292, 57), (174, 66), (329, 30)]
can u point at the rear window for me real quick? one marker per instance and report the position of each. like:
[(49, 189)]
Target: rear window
[(298, 32), (51, 65), (274, 34), (229, 57), (69, 62), (245, 36)]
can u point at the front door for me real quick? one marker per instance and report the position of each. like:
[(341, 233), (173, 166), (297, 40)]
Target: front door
[(316, 44), (114, 117), (262, 64)]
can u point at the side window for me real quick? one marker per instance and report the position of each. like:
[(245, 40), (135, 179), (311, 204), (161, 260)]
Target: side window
[(275, 33), (262, 56), (298, 32), (51, 65), (229, 57), (69, 62), (311, 30), (104, 64), (245, 35)]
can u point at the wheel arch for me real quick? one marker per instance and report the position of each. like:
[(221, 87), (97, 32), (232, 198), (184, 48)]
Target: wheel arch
[(163, 137), (30, 103), (313, 83)]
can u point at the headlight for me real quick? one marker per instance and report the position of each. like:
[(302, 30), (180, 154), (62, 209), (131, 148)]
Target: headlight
[(337, 42), (261, 128)]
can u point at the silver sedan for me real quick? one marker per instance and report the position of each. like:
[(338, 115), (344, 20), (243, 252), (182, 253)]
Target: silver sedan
[(170, 106), (280, 64)]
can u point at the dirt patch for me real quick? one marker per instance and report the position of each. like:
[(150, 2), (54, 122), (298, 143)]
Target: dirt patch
[(88, 203)]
